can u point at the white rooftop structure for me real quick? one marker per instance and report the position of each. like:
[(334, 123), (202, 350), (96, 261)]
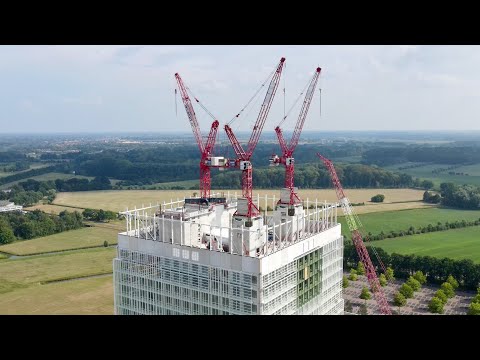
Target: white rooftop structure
[(191, 256), (6, 206)]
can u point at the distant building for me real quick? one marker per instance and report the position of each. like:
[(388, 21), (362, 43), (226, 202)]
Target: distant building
[(6, 206)]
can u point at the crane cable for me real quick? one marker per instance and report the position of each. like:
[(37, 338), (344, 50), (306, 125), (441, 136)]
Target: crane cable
[(198, 101), (295, 103), (249, 101), (176, 112), (284, 94)]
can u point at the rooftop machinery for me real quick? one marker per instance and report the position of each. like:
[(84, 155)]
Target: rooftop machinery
[(289, 193), (246, 207)]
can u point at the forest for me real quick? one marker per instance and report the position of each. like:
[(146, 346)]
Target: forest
[(19, 226)]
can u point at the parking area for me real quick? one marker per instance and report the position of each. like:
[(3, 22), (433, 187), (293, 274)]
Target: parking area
[(418, 305)]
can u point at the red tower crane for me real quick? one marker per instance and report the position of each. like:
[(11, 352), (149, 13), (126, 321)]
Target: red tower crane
[(243, 157), (357, 239), (287, 150), (205, 149)]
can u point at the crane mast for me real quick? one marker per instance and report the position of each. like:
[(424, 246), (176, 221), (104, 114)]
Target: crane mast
[(243, 157), (205, 149), (287, 150), (354, 227)]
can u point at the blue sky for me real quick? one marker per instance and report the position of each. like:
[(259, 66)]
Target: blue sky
[(131, 88)]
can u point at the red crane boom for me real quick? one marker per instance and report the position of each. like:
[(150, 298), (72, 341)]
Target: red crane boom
[(205, 149), (243, 157), (287, 151), (357, 239)]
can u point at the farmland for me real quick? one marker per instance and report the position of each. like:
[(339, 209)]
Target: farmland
[(120, 200), (402, 220), (425, 172), (461, 243)]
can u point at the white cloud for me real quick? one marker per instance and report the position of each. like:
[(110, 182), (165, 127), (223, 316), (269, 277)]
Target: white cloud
[(364, 87)]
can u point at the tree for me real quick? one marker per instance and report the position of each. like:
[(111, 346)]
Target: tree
[(422, 279), (476, 298), (361, 268), (436, 305), (389, 274), (442, 296), (382, 279), (413, 283), (399, 300), (378, 198), (406, 291), (474, 309), (448, 289), (6, 232), (451, 280), (344, 282), (363, 310), (353, 275), (105, 243), (427, 184), (365, 295)]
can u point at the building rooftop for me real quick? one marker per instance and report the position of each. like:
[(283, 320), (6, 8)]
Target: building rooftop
[(216, 227)]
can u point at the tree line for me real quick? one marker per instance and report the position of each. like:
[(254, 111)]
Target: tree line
[(437, 270), (19, 226), (440, 154), (460, 196), (26, 174), (30, 192), (316, 176)]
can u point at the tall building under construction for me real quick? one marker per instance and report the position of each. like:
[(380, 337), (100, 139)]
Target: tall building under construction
[(195, 256)]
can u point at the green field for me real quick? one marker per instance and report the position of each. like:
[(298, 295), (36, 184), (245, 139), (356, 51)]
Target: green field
[(46, 177), (93, 296), (461, 243), (73, 239), (35, 269), (425, 173), (402, 220)]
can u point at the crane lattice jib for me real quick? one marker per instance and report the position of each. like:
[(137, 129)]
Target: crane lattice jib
[(264, 110), (190, 113), (357, 239), (281, 141), (303, 113), (237, 147), (212, 137)]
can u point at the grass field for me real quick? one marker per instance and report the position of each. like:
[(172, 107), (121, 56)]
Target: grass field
[(92, 296), (455, 244), (53, 209), (402, 220), (186, 184), (121, 199), (36, 269), (73, 239), (425, 172), (46, 177)]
